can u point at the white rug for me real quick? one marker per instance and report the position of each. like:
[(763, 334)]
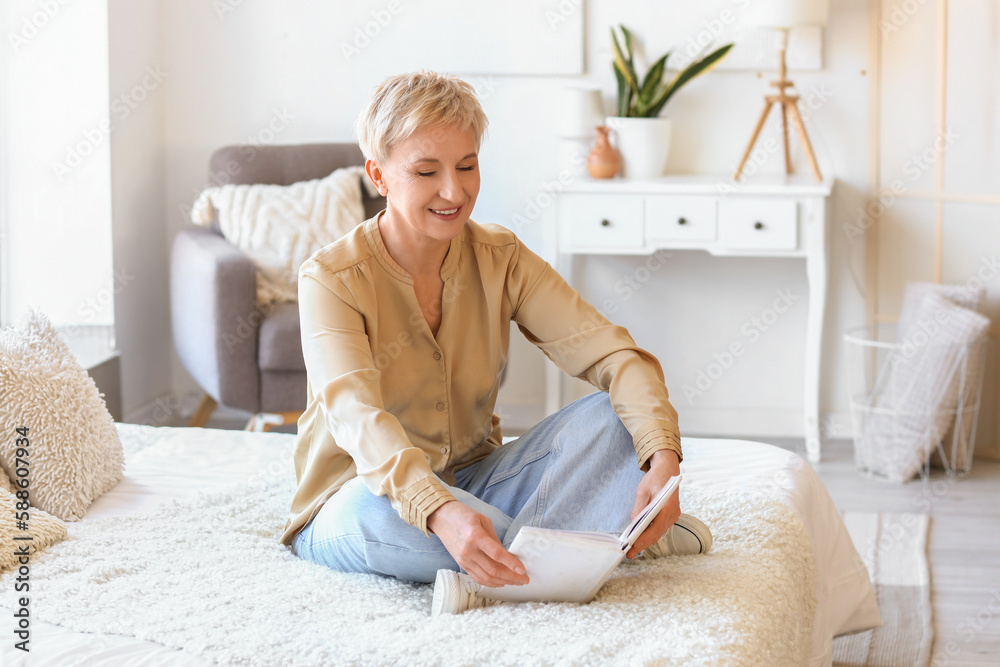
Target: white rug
[(893, 547), (208, 575)]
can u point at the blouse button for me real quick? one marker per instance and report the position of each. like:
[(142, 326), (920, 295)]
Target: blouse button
[(437, 355), (444, 450), (440, 406)]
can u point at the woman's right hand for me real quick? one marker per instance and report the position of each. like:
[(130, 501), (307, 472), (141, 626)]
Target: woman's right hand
[(471, 540)]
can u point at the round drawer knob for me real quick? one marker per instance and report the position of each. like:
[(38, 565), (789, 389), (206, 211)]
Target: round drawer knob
[(681, 221), (758, 225), (605, 223)]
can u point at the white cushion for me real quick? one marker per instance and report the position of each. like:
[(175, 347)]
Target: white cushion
[(279, 226), (973, 298), (935, 366), (915, 291), (74, 453), (43, 529)]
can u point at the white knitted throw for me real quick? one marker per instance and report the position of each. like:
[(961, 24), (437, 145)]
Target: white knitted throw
[(208, 575), (280, 226)]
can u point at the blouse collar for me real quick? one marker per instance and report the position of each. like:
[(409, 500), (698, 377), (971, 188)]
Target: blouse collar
[(374, 238)]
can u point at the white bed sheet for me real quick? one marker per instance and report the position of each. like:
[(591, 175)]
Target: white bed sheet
[(846, 601)]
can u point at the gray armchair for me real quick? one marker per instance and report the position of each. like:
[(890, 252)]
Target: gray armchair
[(243, 356)]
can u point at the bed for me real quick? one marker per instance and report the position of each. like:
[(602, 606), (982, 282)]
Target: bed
[(179, 565)]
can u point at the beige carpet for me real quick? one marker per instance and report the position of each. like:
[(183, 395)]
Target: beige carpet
[(894, 549)]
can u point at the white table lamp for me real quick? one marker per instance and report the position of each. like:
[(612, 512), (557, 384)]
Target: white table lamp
[(580, 110), (786, 13), (783, 15)]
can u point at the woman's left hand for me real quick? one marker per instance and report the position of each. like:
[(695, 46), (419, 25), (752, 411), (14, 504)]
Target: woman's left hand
[(663, 465)]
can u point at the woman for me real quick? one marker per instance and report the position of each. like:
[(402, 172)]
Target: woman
[(405, 324)]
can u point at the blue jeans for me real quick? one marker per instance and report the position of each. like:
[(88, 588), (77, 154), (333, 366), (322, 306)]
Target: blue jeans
[(574, 470)]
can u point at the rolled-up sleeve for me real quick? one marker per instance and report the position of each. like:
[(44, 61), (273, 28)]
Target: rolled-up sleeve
[(343, 375), (586, 345)]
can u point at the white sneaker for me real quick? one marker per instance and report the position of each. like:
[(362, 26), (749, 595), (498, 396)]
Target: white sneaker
[(687, 536), (455, 592)]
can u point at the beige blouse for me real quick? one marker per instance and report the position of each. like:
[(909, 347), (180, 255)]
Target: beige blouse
[(392, 403)]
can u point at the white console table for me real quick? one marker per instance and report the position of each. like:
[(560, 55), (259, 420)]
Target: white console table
[(766, 216)]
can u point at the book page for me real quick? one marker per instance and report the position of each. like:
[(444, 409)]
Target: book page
[(646, 516), (560, 568), (571, 566), (584, 535)]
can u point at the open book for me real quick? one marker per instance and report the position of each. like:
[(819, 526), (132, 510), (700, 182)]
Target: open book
[(572, 565)]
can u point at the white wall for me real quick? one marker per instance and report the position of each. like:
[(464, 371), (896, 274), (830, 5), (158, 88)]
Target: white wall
[(138, 83), (958, 142), (228, 76), (697, 304)]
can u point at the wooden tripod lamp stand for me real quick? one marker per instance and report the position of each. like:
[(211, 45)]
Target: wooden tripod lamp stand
[(783, 15)]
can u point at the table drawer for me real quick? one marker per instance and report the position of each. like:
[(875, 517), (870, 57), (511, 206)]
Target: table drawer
[(749, 223), (600, 221), (680, 218)]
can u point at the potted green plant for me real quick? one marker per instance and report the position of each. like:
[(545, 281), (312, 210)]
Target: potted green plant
[(643, 137)]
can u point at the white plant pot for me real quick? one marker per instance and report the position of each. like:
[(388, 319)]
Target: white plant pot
[(644, 144)]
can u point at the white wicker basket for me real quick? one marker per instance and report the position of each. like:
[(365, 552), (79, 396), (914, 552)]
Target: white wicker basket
[(885, 432)]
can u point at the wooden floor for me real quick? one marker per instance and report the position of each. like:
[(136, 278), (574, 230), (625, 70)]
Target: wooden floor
[(963, 548)]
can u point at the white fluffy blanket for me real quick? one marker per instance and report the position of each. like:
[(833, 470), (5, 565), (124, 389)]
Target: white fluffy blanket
[(280, 226), (208, 575)]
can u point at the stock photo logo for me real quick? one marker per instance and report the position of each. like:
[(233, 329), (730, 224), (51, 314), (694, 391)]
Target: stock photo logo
[(363, 35), (914, 168)]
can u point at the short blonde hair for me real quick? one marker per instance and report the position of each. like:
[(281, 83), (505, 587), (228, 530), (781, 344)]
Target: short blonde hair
[(404, 102)]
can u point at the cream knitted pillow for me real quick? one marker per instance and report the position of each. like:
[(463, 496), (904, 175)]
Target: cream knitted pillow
[(5, 484), (43, 529), (74, 453), (281, 226)]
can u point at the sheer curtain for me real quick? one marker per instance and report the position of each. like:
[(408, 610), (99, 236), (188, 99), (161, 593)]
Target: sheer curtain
[(55, 177)]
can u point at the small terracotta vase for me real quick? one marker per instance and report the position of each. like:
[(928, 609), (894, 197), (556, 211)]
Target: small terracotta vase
[(604, 160)]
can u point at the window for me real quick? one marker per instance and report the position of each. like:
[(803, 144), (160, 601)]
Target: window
[(55, 177)]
